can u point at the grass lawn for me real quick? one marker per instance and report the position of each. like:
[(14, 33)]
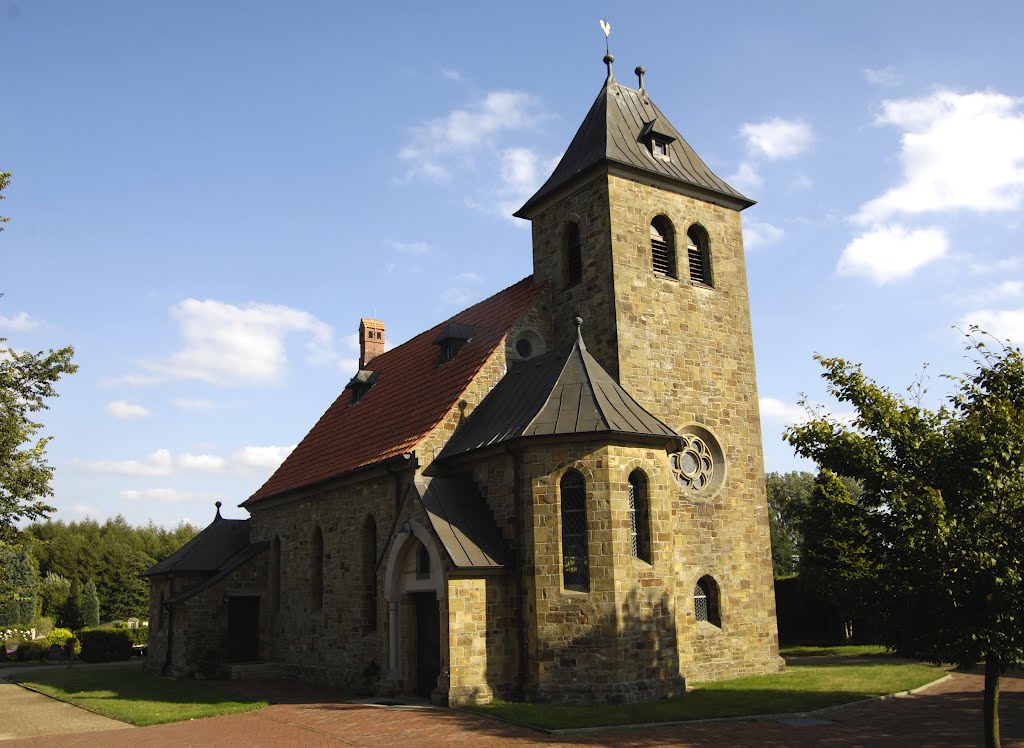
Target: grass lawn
[(802, 687), (132, 696), (844, 650)]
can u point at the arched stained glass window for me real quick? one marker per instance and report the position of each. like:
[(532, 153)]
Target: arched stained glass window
[(573, 255), (317, 572), (575, 558)]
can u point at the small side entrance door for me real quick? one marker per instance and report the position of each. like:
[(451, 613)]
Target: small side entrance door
[(428, 642), (243, 629)]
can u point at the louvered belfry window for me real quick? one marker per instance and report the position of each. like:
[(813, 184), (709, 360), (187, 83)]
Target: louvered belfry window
[(573, 255), (575, 561), (663, 251), (698, 255)]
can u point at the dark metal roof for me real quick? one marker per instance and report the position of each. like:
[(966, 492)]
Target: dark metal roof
[(463, 523), (454, 331), (613, 131), (209, 550), (561, 393), (230, 564)]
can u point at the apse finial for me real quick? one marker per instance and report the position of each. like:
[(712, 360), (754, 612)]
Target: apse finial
[(579, 334), (218, 505), (640, 74)]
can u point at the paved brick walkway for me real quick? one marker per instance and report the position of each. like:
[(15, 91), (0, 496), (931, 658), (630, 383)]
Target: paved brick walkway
[(948, 714)]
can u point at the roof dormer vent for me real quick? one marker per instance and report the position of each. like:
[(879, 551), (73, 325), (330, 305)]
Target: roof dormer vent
[(361, 383), (452, 338), (657, 139)]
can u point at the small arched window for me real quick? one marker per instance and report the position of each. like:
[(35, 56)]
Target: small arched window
[(639, 516), (705, 601), (275, 573), (575, 558), (317, 572), (369, 576), (573, 255), (699, 255), (422, 562), (663, 248)]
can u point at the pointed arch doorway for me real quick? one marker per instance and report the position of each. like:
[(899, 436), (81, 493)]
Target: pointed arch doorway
[(415, 592)]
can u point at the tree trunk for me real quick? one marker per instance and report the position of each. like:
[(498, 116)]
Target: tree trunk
[(992, 669)]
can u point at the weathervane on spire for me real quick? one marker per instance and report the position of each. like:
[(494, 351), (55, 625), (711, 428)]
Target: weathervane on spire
[(608, 59)]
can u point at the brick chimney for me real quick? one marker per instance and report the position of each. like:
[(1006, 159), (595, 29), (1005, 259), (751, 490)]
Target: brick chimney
[(371, 340)]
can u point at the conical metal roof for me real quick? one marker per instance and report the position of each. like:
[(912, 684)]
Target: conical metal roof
[(615, 131)]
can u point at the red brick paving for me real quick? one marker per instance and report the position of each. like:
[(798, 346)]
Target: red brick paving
[(947, 714)]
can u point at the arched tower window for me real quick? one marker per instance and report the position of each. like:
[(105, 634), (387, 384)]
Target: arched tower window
[(369, 576), (639, 516), (705, 601), (573, 255), (316, 581), (275, 573), (663, 247), (699, 255), (575, 561)]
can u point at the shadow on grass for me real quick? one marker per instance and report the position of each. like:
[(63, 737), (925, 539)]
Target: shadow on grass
[(131, 695)]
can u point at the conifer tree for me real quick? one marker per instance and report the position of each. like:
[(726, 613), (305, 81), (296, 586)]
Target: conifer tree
[(90, 605)]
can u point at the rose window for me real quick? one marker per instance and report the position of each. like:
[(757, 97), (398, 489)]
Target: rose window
[(694, 465)]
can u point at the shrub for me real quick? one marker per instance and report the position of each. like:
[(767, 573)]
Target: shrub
[(60, 637), (15, 635), (44, 625), (32, 651), (139, 635), (105, 645)]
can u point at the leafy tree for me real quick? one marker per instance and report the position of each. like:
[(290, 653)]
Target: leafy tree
[(836, 563), (19, 586), (5, 179), (71, 616), (788, 493), (943, 502), (90, 605), (53, 594)]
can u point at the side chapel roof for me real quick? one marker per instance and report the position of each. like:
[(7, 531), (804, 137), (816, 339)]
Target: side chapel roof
[(208, 551), (615, 130), (560, 393), (412, 392)]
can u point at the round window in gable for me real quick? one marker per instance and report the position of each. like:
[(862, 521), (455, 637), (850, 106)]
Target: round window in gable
[(528, 344), (699, 466)]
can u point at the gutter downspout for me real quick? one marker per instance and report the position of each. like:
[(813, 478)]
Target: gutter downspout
[(517, 562)]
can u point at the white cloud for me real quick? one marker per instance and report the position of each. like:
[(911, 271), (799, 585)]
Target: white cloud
[(457, 296), (202, 463), (746, 177), (1000, 266), (462, 132), (453, 75), (262, 458), (886, 76), (888, 253), (163, 463), (803, 182), (470, 277), (773, 409), (1005, 324), (85, 510), (227, 344), (156, 464), (959, 151), (165, 495), (1010, 289), (777, 138), (186, 404), (126, 410), (757, 234), (411, 248), (20, 322)]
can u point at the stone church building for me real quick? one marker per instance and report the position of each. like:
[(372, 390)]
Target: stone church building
[(556, 494)]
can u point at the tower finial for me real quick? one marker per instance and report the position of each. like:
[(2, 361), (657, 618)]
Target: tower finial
[(579, 334), (608, 59), (640, 74)]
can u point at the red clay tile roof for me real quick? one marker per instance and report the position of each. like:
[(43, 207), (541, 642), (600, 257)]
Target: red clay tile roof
[(411, 396)]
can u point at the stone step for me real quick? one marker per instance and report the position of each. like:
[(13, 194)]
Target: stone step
[(253, 671)]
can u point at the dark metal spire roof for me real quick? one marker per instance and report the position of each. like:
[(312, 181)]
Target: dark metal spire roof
[(209, 550), (563, 393), (613, 132)]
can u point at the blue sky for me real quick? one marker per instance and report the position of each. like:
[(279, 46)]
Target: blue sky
[(208, 196)]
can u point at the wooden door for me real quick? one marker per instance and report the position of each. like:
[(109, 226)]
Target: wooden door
[(428, 642), (243, 629)]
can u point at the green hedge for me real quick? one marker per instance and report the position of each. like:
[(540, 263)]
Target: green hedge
[(31, 651), (139, 635), (105, 645)]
